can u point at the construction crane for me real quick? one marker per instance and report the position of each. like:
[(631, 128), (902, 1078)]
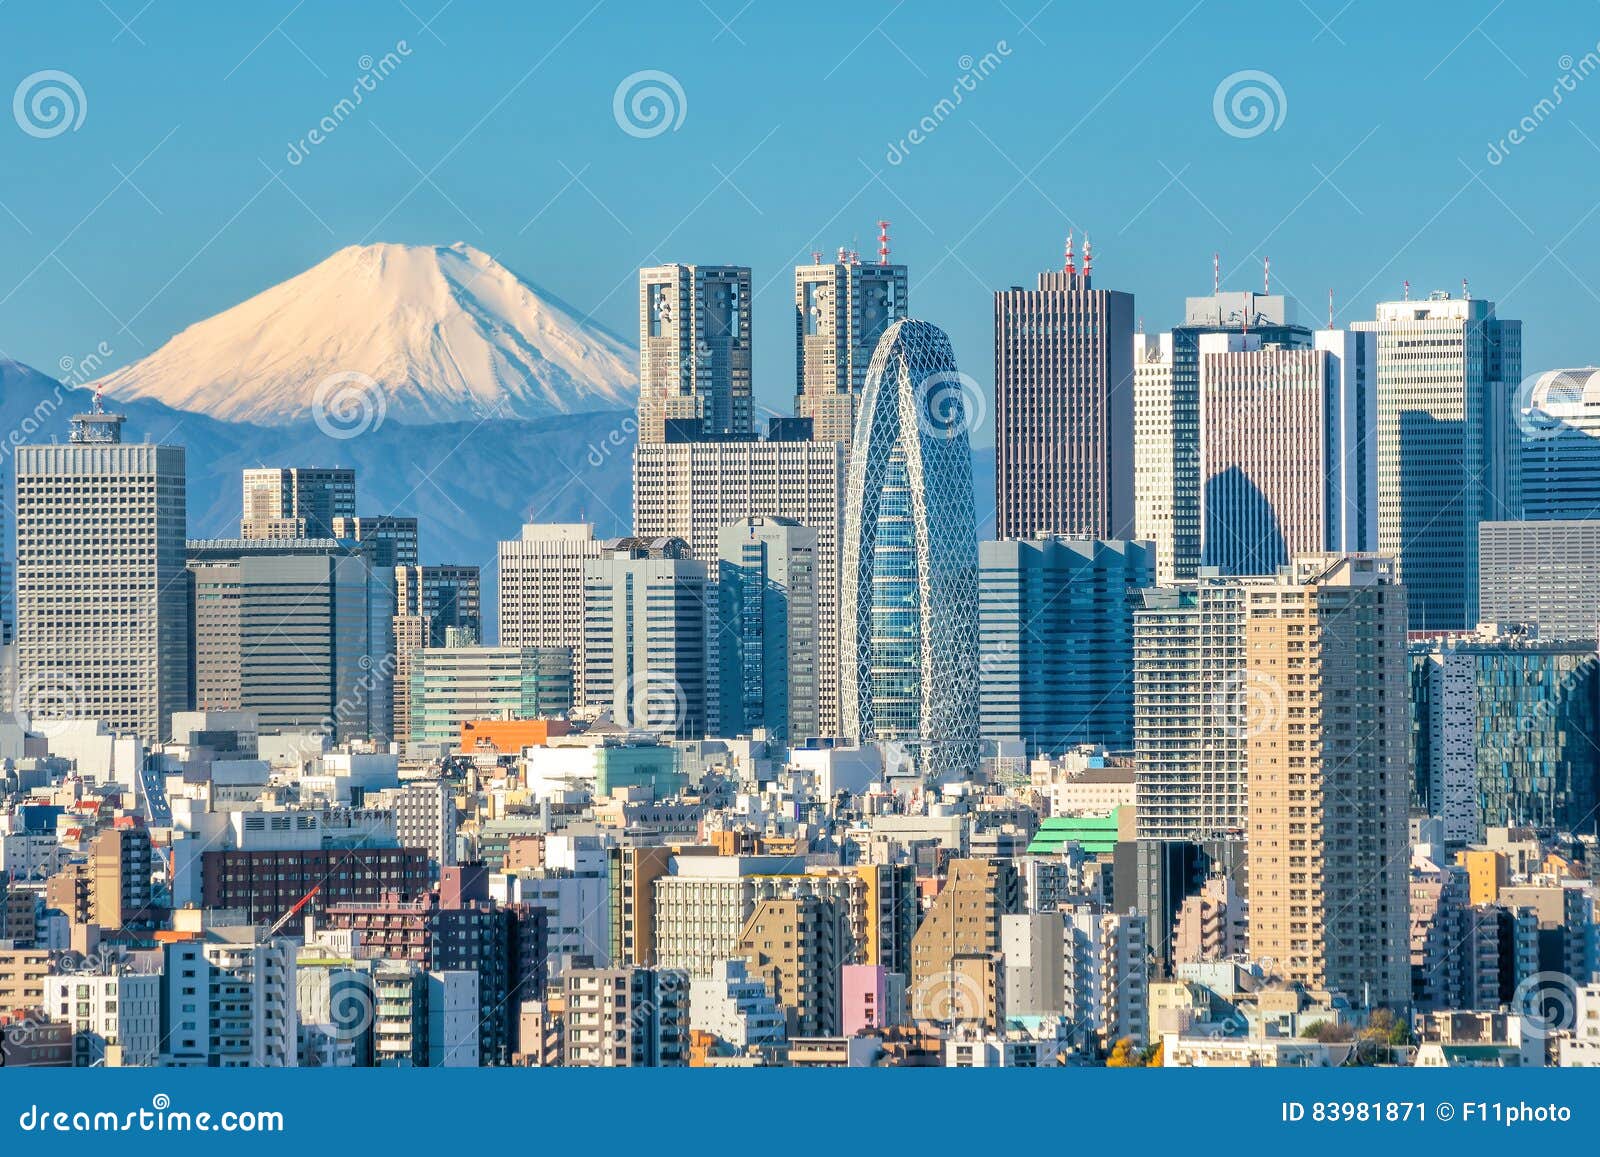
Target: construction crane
[(289, 915)]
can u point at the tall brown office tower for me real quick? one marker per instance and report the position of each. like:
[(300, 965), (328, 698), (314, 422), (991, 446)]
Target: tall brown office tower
[(1063, 387)]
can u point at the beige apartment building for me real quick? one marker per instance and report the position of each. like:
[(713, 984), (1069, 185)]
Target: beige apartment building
[(1328, 753)]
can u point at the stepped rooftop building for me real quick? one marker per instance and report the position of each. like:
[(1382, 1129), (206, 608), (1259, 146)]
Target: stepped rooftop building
[(909, 591)]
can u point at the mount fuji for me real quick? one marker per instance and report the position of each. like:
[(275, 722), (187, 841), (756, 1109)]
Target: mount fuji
[(421, 334)]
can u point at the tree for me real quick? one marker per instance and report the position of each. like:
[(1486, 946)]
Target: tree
[(1124, 1055)]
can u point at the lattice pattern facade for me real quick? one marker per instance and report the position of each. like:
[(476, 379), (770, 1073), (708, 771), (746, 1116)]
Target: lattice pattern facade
[(909, 591)]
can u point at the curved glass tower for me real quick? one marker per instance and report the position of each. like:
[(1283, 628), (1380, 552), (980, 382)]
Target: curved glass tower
[(909, 592)]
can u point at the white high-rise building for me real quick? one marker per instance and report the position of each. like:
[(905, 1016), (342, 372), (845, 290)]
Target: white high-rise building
[(692, 490), (115, 1018), (230, 999), (541, 589), (650, 623), (694, 352), (735, 1007), (1560, 416), (1154, 445), (1191, 702), (1106, 973), (1449, 446), (102, 602), (425, 816)]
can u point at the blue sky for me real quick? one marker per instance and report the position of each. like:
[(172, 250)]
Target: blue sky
[(174, 198)]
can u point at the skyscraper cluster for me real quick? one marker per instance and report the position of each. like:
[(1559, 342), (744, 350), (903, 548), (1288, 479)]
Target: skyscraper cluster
[(1277, 683)]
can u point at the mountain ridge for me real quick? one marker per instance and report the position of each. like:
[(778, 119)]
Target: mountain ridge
[(413, 334)]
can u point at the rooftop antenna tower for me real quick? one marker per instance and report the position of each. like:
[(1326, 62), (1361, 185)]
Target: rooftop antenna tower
[(1068, 264), (1216, 273), (883, 242), (1088, 257)]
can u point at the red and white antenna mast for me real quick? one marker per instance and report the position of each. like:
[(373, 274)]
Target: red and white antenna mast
[(1266, 275), (1408, 289), (1067, 263), (883, 242), (1216, 273), (1088, 257)]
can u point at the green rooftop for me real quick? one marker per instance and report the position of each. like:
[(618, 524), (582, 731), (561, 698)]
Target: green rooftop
[(1097, 834)]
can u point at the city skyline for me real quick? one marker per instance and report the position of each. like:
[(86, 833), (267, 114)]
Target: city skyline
[(400, 669), (975, 207)]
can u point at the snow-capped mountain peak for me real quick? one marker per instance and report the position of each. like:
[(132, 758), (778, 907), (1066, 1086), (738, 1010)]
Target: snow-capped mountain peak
[(420, 333)]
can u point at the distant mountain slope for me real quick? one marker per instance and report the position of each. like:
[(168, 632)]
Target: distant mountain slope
[(429, 333), (470, 483)]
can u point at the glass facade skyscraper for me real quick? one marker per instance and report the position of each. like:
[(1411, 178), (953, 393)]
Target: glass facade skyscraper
[(1502, 732), (909, 592), (1055, 631), (1449, 446)]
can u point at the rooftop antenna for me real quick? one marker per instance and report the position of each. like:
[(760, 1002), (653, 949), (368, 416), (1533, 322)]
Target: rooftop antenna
[(1408, 289), (816, 257), (1216, 273), (1266, 275), (1465, 296), (1330, 309), (883, 242), (1088, 256), (1141, 326), (1069, 266)]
